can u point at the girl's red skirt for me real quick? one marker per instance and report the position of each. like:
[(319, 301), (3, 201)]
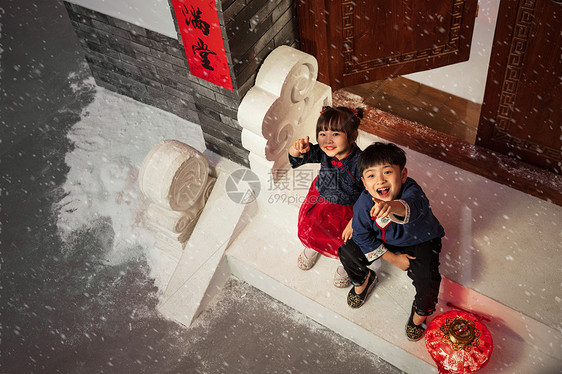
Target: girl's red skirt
[(321, 223)]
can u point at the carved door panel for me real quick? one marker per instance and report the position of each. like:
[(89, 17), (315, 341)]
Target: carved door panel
[(364, 40), (521, 114)]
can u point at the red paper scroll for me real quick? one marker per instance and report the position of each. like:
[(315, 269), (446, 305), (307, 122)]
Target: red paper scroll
[(202, 39)]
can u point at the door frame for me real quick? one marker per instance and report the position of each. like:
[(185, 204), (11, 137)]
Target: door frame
[(483, 161), (499, 168)]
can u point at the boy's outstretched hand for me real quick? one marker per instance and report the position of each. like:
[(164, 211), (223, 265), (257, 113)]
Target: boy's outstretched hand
[(300, 147), (382, 208)]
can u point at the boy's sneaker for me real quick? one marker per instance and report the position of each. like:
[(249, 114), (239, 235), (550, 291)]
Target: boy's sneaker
[(414, 332), (355, 300)]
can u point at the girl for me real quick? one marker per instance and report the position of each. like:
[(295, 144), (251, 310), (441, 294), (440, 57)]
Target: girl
[(324, 221)]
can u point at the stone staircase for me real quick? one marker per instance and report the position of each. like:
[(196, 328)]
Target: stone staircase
[(258, 244)]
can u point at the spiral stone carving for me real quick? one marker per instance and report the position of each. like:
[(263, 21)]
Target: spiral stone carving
[(175, 178), (173, 175), (189, 183), (282, 106)]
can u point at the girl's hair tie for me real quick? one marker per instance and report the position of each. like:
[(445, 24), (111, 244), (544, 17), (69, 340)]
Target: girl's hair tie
[(357, 112)]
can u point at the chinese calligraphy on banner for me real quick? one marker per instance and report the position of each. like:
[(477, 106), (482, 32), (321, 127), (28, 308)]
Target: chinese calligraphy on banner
[(201, 34)]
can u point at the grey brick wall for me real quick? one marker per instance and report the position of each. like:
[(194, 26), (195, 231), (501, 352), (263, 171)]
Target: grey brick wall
[(254, 28), (152, 68)]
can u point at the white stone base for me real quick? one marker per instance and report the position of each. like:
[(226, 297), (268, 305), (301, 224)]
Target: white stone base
[(263, 252), (269, 263), (201, 270)]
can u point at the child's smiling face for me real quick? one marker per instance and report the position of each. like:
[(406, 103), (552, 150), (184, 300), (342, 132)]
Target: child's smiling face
[(384, 181), (335, 143)]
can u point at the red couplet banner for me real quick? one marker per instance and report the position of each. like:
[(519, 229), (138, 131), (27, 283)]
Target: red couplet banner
[(202, 39)]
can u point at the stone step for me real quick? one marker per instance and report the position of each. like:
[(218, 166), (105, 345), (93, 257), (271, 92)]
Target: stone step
[(261, 248), (265, 253)]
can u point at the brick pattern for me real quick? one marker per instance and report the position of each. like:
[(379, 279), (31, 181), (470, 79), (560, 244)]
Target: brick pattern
[(152, 68), (254, 28)]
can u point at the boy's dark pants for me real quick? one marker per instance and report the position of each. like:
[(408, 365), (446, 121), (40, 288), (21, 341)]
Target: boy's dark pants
[(424, 270)]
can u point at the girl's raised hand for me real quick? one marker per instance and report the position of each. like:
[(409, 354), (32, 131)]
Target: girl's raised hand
[(302, 145)]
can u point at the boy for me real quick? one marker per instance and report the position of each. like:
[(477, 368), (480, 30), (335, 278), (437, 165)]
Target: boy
[(392, 219)]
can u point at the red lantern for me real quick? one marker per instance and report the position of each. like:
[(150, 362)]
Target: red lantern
[(458, 342)]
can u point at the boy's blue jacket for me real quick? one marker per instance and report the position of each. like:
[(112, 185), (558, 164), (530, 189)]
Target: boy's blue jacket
[(419, 225)]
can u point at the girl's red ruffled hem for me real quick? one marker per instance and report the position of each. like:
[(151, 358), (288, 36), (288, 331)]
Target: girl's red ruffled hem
[(321, 223)]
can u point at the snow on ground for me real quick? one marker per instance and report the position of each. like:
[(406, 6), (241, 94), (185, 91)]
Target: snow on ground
[(111, 140), (2, 12)]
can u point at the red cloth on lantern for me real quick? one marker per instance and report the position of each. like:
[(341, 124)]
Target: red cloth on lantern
[(447, 339)]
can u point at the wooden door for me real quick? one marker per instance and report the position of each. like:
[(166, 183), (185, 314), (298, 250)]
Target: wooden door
[(366, 40), (521, 115)]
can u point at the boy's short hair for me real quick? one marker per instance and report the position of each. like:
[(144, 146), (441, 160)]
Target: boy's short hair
[(339, 119), (380, 153)]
